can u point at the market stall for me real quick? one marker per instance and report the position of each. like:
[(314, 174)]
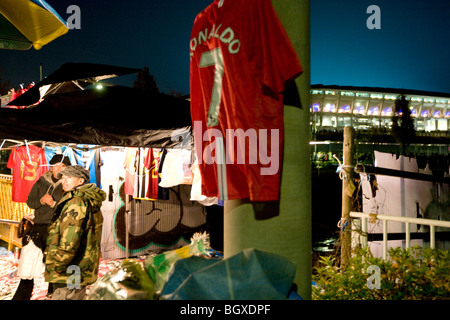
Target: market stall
[(149, 225), (253, 101), (110, 132)]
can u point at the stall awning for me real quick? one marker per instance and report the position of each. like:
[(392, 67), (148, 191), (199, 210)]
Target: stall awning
[(26, 23), (113, 116)]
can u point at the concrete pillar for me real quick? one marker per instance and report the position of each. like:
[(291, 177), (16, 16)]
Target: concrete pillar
[(288, 234)]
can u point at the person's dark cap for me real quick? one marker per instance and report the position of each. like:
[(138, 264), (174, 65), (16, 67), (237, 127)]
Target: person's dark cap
[(59, 158), (75, 171)]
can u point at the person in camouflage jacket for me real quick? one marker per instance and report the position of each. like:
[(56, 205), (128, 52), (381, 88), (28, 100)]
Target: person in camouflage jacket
[(73, 243)]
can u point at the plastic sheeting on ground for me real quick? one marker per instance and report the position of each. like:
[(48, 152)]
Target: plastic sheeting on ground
[(158, 267), (9, 280), (248, 275), (128, 281)]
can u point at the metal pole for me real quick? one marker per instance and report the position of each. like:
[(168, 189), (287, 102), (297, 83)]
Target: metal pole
[(385, 239), (11, 237), (127, 224), (364, 231), (429, 222), (432, 237), (408, 235)]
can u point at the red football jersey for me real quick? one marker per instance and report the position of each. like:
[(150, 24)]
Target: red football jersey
[(27, 166), (152, 160), (240, 61)]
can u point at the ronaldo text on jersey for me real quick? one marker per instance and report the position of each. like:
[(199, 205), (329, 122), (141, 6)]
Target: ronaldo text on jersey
[(240, 61)]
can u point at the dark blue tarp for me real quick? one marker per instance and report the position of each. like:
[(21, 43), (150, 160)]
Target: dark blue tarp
[(248, 275), (113, 116)]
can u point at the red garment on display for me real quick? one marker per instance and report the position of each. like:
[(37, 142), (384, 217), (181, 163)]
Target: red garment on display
[(16, 94), (241, 59), (130, 170), (25, 172), (152, 160)]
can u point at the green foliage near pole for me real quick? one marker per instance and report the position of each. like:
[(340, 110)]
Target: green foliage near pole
[(408, 274)]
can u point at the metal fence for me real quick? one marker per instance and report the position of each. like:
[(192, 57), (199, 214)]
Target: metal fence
[(365, 217)]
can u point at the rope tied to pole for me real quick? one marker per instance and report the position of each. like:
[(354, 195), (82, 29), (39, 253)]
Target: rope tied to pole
[(344, 173), (342, 169), (342, 223)]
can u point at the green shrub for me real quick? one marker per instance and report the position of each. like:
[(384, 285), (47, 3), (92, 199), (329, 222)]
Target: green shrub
[(415, 273)]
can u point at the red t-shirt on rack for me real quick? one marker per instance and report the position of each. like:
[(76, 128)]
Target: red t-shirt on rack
[(27, 164), (152, 160), (240, 61)]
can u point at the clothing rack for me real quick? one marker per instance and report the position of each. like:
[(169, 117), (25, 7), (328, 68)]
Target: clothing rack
[(42, 144)]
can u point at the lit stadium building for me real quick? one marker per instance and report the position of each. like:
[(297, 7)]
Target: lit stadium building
[(335, 107)]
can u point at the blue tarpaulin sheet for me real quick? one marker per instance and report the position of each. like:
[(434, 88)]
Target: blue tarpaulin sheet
[(248, 275)]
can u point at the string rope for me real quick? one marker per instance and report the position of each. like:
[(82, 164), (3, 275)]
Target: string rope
[(342, 169)]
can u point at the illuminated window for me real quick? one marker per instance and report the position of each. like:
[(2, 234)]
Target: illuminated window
[(386, 112), (373, 111), (344, 109), (359, 110), (330, 107)]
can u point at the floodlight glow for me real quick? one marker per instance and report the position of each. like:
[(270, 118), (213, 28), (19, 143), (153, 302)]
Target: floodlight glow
[(330, 107)]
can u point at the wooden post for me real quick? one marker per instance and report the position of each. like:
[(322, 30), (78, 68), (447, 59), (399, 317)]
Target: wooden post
[(11, 237), (348, 188)]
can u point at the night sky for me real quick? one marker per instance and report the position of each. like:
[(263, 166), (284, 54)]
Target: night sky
[(410, 51)]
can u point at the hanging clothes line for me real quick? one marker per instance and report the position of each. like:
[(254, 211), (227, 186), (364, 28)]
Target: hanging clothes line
[(18, 143)]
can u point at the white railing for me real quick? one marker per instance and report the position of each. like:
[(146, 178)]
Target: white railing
[(408, 221)]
